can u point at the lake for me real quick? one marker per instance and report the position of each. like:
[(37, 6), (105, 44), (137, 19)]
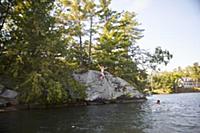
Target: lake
[(176, 113)]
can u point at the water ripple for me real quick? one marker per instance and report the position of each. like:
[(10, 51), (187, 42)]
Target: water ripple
[(177, 113)]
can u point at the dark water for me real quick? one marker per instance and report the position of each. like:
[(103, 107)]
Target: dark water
[(176, 113)]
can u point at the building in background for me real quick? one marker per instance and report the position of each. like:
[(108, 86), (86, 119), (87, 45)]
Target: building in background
[(187, 82)]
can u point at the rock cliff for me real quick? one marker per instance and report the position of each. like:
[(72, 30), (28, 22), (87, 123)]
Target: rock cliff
[(109, 88)]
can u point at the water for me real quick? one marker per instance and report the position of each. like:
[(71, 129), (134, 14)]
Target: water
[(177, 113)]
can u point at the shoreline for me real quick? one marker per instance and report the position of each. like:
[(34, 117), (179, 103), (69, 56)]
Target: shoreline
[(19, 107), (179, 90)]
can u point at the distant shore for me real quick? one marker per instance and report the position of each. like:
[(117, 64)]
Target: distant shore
[(177, 90)]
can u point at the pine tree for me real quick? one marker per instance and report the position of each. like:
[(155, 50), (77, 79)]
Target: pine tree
[(33, 54)]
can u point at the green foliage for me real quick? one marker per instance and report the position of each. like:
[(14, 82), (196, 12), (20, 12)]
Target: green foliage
[(165, 81), (33, 52), (160, 56), (76, 90), (192, 71), (5, 6), (39, 89)]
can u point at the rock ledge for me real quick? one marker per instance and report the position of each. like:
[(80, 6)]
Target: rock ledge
[(109, 89)]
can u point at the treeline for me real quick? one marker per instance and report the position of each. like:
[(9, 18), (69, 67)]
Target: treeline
[(42, 42), (168, 82)]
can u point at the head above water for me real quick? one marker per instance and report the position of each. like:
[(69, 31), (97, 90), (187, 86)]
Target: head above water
[(158, 101)]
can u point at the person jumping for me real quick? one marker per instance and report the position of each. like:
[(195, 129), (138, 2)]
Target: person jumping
[(102, 68)]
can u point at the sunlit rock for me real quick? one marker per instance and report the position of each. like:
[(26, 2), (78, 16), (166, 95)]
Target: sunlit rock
[(109, 88)]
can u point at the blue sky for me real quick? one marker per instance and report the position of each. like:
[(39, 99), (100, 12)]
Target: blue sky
[(172, 24)]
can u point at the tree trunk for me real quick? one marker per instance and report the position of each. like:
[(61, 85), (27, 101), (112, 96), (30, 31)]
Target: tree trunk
[(80, 44), (90, 43)]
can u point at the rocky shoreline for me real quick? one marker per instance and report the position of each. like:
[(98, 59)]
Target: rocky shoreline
[(18, 107), (98, 91)]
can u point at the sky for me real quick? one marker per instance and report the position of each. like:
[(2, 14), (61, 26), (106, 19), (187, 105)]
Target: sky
[(172, 24)]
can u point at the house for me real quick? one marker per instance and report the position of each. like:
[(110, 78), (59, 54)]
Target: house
[(187, 82)]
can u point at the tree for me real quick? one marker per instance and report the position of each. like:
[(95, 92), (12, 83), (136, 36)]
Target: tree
[(32, 54), (114, 43), (77, 15), (193, 71)]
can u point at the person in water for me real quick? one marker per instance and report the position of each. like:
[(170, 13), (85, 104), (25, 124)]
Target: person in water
[(102, 68), (158, 102)]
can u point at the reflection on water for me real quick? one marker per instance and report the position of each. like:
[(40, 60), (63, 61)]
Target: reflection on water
[(175, 113)]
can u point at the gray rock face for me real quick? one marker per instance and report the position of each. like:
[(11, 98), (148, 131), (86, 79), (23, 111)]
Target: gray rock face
[(7, 97), (9, 94), (108, 88)]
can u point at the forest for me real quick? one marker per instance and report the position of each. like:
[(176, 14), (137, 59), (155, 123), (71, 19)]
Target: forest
[(43, 42)]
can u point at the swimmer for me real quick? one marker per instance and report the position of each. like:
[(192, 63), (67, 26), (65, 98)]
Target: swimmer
[(158, 102)]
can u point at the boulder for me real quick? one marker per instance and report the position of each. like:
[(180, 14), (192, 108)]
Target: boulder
[(7, 97), (107, 89), (9, 94)]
